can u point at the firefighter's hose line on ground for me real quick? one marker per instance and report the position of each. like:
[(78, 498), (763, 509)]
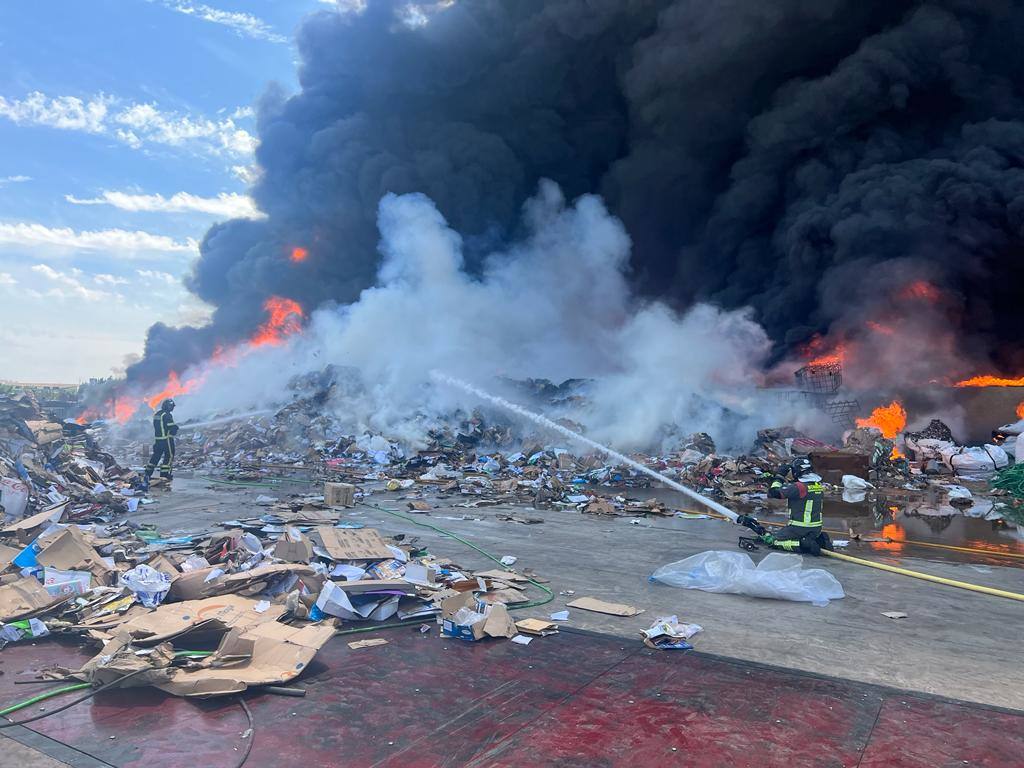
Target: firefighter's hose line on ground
[(926, 576)]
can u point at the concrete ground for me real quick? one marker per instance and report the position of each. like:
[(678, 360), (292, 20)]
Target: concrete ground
[(953, 643)]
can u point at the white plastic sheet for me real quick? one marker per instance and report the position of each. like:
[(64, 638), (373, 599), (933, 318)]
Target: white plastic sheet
[(778, 576)]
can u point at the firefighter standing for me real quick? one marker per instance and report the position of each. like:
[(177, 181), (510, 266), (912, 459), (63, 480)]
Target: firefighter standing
[(164, 430), (805, 496)]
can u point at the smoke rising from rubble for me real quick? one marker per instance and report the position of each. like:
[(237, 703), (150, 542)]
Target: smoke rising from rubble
[(780, 156), (556, 305)]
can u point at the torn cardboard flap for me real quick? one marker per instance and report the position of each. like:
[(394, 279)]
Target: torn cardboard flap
[(27, 526), (601, 606), (214, 614), (293, 547), (499, 623), (69, 551), (25, 598), (266, 654), (353, 543)]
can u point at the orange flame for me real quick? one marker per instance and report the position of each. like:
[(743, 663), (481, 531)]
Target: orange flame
[(1020, 410), (285, 319), (990, 381), (890, 419), (173, 388), (819, 354), (299, 254)]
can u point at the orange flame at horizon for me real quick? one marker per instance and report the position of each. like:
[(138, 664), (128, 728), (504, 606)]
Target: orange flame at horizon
[(284, 319), (299, 254), (990, 381), (1020, 410)]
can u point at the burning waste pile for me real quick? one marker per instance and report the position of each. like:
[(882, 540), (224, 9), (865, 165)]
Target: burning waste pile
[(52, 467)]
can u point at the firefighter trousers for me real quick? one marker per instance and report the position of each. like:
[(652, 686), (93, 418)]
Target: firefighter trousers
[(162, 458)]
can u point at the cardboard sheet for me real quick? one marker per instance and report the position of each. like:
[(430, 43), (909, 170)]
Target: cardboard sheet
[(24, 598), (214, 614), (265, 654), (600, 606), (354, 544)]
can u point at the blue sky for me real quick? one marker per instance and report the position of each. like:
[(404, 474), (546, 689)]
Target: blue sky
[(126, 129)]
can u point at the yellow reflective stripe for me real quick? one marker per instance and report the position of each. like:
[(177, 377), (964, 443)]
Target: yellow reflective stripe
[(805, 524)]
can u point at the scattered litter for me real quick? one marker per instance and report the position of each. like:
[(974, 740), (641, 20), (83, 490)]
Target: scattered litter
[(666, 633), (894, 614), (509, 560), (560, 616), (522, 640)]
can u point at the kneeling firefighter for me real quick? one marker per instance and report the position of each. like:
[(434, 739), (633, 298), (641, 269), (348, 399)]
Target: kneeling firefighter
[(164, 430), (805, 495)]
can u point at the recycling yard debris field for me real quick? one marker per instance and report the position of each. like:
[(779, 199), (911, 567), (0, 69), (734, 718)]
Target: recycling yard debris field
[(279, 536)]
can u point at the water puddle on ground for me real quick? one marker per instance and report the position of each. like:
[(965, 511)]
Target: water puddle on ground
[(908, 523)]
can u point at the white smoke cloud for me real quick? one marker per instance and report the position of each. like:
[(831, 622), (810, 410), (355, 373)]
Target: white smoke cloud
[(556, 305)]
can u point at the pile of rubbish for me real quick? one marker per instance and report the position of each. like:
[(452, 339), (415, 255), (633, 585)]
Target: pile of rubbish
[(212, 614), (45, 464)]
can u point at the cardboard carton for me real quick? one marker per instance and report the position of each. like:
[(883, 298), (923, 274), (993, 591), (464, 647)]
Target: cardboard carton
[(339, 494)]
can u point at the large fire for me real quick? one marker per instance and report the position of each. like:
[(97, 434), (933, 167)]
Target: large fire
[(174, 388), (818, 352), (990, 381), (890, 420), (284, 319)]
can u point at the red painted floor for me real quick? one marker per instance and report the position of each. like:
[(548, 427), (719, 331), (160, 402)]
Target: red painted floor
[(575, 699)]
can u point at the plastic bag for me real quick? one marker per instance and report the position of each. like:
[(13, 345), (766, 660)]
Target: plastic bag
[(778, 576), (148, 584), (13, 498), (976, 459)]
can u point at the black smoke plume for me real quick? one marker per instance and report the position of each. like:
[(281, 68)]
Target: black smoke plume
[(784, 155)]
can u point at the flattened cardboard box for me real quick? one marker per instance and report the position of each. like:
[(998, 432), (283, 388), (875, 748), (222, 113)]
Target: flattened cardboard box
[(24, 598), (600, 606), (265, 654), (354, 543), (214, 614)]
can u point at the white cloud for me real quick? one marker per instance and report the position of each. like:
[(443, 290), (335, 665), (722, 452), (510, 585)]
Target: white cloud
[(112, 280), (116, 240), (14, 179), (155, 276), (228, 205), (69, 113), (68, 285), (132, 123), (247, 174), (6, 278), (244, 24)]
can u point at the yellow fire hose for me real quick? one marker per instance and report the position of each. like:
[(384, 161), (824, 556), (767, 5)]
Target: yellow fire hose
[(926, 576)]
